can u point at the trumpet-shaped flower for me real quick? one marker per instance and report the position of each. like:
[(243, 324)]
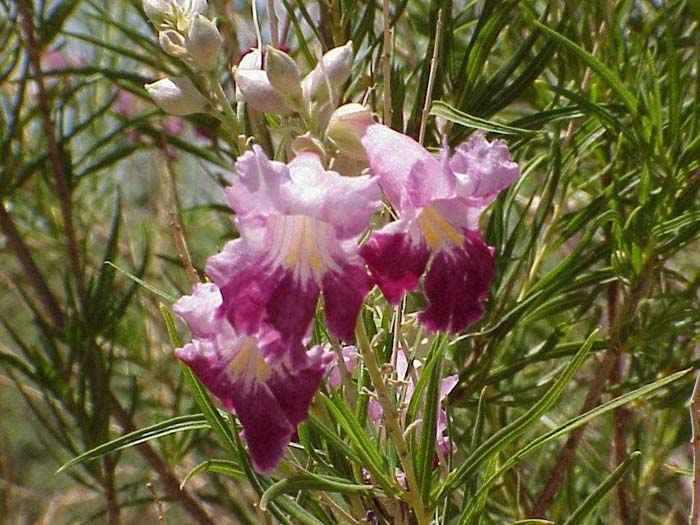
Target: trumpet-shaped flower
[(438, 204), (407, 377), (268, 389), (299, 225)]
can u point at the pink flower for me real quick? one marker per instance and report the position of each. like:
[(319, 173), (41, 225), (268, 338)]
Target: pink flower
[(438, 204), (410, 378), (299, 226), (349, 358), (270, 390)]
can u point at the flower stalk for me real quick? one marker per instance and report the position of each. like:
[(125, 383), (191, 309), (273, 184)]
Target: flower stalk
[(391, 416), (230, 119)]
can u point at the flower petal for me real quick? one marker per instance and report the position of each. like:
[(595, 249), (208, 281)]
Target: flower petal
[(201, 309), (349, 358), (345, 203), (344, 290), (266, 427), (294, 384), (483, 168), (395, 260), (258, 188), (291, 305), (245, 285), (409, 175), (457, 284)]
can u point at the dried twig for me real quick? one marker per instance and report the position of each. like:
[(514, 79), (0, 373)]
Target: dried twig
[(24, 256), (58, 167), (175, 213), (170, 482), (156, 500), (566, 456), (386, 64), (431, 78), (694, 518)]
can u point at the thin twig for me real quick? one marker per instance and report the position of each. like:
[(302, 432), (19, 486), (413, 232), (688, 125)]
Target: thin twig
[(431, 78), (694, 518), (182, 251), (566, 456), (391, 417), (386, 64), (274, 30), (170, 482), (59, 170), (16, 244), (175, 215), (113, 509), (156, 500)]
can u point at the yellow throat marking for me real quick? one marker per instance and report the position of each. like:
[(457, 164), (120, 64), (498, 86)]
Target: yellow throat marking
[(249, 361), (304, 246), (437, 231)]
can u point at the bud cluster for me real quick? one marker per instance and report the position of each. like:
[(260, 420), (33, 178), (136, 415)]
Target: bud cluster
[(273, 83), (185, 32)]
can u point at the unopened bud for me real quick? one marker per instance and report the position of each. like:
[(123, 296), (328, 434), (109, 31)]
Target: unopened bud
[(346, 127), (158, 11), (284, 76), (305, 143), (203, 42), (254, 88), (172, 42), (177, 96), (331, 72)]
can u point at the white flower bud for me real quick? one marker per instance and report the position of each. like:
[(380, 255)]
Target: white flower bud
[(203, 42), (346, 126), (158, 11), (284, 76), (254, 88), (331, 72), (178, 96), (251, 60), (307, 142), (172, 42)]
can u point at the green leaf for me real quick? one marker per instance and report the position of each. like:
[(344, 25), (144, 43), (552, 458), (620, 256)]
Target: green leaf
[(431, 408), (444, 110), (159, 430), (372, 458), (597, 66), (217, 466), (314, 482), (143, 283), (595, 497), (579, 421), (512, 431)]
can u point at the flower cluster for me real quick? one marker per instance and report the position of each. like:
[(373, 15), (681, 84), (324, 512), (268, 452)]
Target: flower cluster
[(268, 385), (438, 203), (298, 254), (272, 83), (186, 33)]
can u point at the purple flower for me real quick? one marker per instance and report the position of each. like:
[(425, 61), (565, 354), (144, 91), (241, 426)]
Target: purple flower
[(349, 354), (299, 225), (438, 204), (268, 387), (410, 379)]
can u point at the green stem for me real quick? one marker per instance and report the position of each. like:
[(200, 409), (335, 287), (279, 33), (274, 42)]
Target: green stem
[(391, 416), (231, 120)]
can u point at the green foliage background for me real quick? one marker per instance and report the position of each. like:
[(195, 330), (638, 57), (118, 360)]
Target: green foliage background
[(600, 104)]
